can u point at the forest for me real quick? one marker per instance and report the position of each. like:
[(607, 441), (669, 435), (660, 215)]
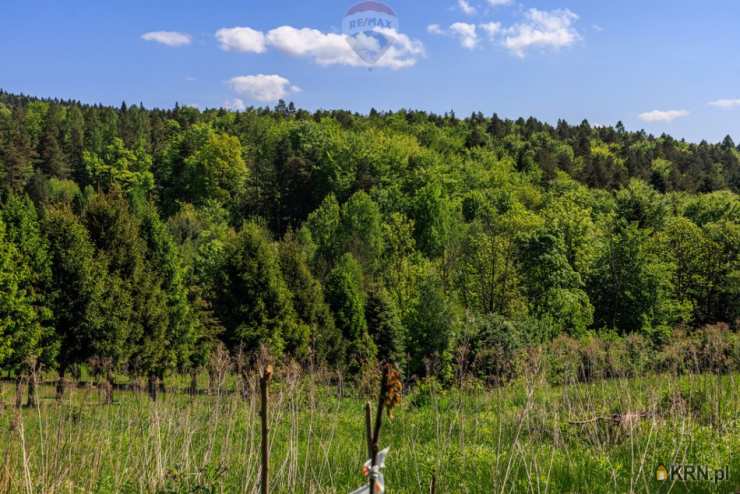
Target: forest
[(142, 242)]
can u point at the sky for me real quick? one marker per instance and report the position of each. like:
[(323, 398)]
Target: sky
[(663, 66)]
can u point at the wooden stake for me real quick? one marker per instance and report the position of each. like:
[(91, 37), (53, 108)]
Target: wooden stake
[(369, 429), (378, 424), (264, 382), (433, 489)]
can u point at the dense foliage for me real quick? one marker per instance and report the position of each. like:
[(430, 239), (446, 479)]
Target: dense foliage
[(139, 240)]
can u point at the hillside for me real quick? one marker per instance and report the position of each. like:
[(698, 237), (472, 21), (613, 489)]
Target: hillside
[(139, 241)]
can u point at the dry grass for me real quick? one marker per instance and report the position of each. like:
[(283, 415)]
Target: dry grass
[(608, 436)]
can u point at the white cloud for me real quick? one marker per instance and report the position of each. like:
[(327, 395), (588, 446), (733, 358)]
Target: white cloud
[(322, 48), (492, 29), (169, 38), (435, 29), (726, 104), (241, 39), (236, 104), (264, 88), (499, 3), (403, 51), (466, 34), (547, 29), (662, 116), (466, 8)]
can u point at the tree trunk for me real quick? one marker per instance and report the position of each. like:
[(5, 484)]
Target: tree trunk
[(152, 387), (32, 398), (162, 385), (109, 388), (18, 391), (61, 383), (193, 382)]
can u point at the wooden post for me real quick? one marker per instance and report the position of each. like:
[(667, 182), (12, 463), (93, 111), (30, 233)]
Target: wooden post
[(264, 383), (376, 430), (369, 429)]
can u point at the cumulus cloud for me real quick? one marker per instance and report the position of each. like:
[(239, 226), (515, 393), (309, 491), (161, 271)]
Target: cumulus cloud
[(168, 38), (546, 29), (322, 48), (499, 3), (241, 39), (466, 7), (263, 88), (403, 51), (539, 28), (435, 29), (657, 116), (726, 104), (492, 29), (466, 34)]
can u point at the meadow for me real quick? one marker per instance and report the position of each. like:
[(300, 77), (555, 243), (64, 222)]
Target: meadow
[(528, 436)]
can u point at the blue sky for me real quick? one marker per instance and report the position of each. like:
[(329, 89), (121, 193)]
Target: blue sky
[(665, 66)]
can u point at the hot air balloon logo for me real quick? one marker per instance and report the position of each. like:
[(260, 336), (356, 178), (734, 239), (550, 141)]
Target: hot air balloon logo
[(369, 28)]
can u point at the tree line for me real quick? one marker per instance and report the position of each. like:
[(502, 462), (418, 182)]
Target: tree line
[(141, 241)]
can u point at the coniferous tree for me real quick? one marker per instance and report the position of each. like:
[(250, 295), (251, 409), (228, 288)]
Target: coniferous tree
[(76, 292), (253, 302), (345, 295), (23, 229), (21, 331)]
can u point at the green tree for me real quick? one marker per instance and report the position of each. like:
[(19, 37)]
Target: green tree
[(252, 299), (631, 287), (76, 289), (432, 217), (346, 297), (430, 331), (24, 230), (324, 225), (52, 158), (553, 287), (199, 165), (21, 331), (362, 230), (119, 166), (165, 263), (17, 153), (130, 294), (385, 326), (314, 314)]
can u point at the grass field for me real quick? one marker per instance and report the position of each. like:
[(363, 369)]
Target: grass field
[(527, 437)]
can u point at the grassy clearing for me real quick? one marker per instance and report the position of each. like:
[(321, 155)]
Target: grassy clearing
[(527, 437)]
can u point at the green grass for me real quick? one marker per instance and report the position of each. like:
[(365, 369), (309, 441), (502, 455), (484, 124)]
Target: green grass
[(520, 438)]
